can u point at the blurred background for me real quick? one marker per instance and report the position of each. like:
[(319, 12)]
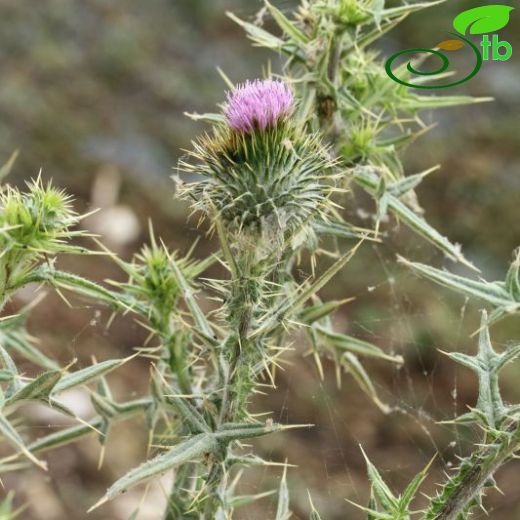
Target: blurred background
[(93, 93)]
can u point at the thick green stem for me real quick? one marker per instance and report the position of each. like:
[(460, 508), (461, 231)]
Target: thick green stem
[(173, 364), (4, 282), (235, 383)]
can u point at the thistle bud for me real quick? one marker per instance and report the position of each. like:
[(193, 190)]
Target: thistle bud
[(265, 175)]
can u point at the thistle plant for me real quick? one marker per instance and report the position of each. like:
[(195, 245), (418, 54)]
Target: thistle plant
[(353, 103), (271, 177), (35, 225)]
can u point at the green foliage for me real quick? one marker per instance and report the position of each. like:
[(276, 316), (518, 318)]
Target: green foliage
[(504, 296), (14, 337), (491, 412), (35, 225), (500, 422), (388, 196), (383, 504), (282, 511), (465, 487), (369, 119)]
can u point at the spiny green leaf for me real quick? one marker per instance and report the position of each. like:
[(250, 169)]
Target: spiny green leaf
[(11, 435), (355, 368), (296, 301), (489, 401), (357, 346), (38, 389), (411, 490), (13, 335), (487, 365), (368, 180), (490, 292), (64, 437), (191, 416), (10, 366), (86, 375), (238, 431), (342, 230), (198, 316), (190, 449), (463, 359), (282, 510), (261, 37), (288, 27), (417, 102), (409, 183), (68, 435), (382, 492), (82, 286), (245, 500), (320, 310)]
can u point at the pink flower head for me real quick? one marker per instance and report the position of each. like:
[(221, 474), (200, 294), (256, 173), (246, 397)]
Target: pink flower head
[(258, 104)]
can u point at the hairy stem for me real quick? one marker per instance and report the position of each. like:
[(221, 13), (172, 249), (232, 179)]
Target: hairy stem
[(236, 380), (463, 490), (4, 283)]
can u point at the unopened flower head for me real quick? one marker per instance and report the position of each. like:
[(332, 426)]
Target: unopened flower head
[(265, 174), (258, 104)]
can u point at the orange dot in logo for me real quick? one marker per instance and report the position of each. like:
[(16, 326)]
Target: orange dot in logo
[(450, 45)]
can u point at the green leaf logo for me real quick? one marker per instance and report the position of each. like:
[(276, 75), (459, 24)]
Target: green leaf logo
[(481, 20)]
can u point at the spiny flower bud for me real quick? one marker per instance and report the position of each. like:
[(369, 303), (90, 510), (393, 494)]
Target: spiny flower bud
[(258, 104), (266, 175)]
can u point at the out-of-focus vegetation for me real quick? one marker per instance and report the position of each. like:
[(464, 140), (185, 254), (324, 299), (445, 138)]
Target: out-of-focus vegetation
[(93, 92)]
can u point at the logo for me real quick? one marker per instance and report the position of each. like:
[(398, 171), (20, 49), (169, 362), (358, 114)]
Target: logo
[(477, 21)]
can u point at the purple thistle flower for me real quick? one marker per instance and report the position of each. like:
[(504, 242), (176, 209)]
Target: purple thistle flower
[(258, 104)]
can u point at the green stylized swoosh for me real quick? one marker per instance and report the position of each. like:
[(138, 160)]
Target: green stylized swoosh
[(444, 66)]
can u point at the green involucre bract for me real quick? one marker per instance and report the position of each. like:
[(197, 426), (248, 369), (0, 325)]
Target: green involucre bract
[(277, 179)]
